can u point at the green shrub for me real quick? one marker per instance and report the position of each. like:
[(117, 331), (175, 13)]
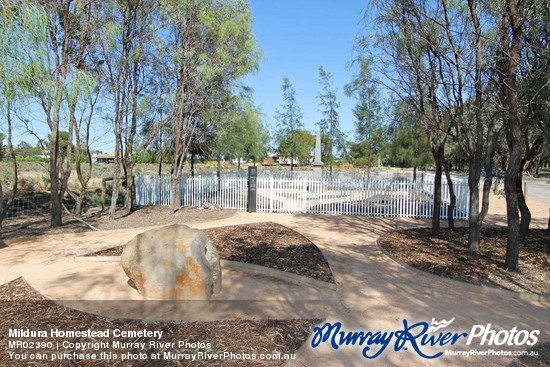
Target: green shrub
[(364, 162), (32, 159)]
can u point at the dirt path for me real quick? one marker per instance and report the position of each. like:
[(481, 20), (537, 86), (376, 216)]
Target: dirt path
[(373, 293)]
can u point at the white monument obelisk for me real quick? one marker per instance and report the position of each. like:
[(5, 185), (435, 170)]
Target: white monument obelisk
[(317, 164)]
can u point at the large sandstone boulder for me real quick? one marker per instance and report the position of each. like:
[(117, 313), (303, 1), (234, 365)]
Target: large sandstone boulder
[(173, 262)]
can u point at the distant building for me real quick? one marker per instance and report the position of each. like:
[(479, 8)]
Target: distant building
[(271, 161), (104, 158), (277, 160)]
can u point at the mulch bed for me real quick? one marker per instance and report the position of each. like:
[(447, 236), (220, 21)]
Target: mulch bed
[(25, 228), (541, 360), (267, 244), (448, 256), (24, 308)]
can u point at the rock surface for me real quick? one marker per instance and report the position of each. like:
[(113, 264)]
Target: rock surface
[(173, 262)]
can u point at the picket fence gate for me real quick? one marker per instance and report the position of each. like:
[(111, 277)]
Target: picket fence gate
[(306, 195)]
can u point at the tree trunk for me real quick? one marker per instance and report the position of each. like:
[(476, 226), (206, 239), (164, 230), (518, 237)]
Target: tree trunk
[(512, 246), (80, 196), (514, 138), (474, 234), (452, 204), (130, 187), (55, 201), (192, 164), (527, 161), (219, 174), (476, 145), (79, 199), (523, 208), (3, 210), (160, 165), (160, 151), (56, 159), (514, 141), (116, 182), (11, 198), (414, 174), (175, 197), (436, 225)]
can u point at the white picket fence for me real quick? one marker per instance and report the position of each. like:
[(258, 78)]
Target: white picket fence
[(460, 187), (227, 192), (305, 195), (372, 198)]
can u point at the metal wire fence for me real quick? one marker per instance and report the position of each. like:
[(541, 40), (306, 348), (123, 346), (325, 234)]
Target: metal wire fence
[(29, 205), (38, 204)]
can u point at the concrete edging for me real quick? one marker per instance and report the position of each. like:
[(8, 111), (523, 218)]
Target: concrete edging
[(313, 243), (481, 288), (283, 275), (279, 274)]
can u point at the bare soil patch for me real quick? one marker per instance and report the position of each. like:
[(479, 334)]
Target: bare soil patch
[(144, 216), (448, 256), (24, 308), (267, 244)]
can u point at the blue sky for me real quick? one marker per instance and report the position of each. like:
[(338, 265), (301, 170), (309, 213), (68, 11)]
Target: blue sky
[(296, 38)]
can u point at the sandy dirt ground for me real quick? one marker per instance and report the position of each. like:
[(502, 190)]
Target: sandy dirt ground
[(373, 292)]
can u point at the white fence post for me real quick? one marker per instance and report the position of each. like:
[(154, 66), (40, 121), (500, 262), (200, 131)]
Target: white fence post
[(271, 182), (304, 195)]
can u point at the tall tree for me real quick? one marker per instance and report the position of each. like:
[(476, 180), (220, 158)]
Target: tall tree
[(329, 124), (83, 161), (407, 44), (408, 145), (156, 100), (246, 135), (367, 113), (142, 16), (289, 117), (303, 143), (209, 46), (464, 99), (523, 55), (53, 38), (2, 152), (82, 98), (10, 77), (6, 204), (127, 46)]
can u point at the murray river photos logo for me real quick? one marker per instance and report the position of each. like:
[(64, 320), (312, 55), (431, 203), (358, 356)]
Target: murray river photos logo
[(418, 337)]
